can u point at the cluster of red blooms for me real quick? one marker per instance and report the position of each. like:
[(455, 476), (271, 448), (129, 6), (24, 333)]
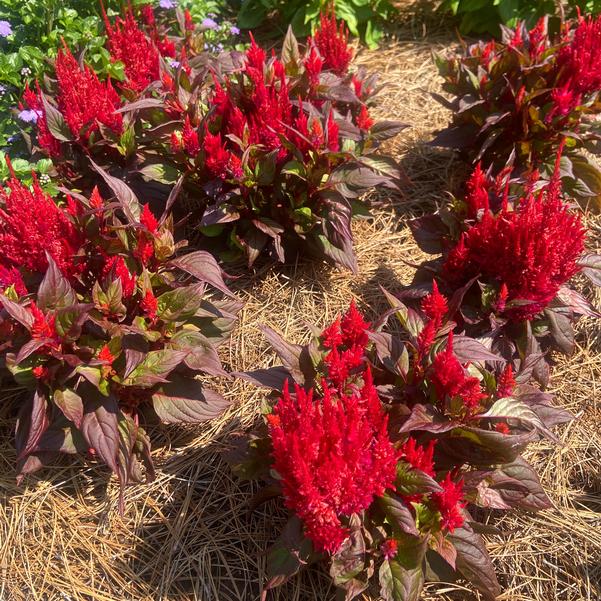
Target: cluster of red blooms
[(449, 501), (553, 75), (333, 454), (44, 329), (434, 306), (580, 60), (46, 140), (128, 43), (261, 111), (161, 41), (451, 380), (83, 99), (259, 115), (527, 251), (144, 250), (117, 269), (331, 40), (31, 224)]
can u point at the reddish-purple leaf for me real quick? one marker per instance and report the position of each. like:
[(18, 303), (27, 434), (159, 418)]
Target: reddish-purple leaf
[(474, 562), (203, 266), (37, 424), (100, 427), (187, 401), (70, 403), (17, 312)]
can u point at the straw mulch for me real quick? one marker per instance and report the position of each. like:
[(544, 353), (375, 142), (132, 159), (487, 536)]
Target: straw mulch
[(189, 534)]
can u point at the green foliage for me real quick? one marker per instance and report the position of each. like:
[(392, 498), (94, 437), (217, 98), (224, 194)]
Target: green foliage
[(363, 17), (24, 171), (486, 16), (39, 26)]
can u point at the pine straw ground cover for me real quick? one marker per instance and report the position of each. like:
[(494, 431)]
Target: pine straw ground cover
[(190, 534)]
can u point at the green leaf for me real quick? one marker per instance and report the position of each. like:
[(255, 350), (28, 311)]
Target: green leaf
[(69, 321), (398, 583), (181, 303), (509, 407), (160, 172), (290, 52), (70, 403), (251, 15), (410, 481), (154, 368)]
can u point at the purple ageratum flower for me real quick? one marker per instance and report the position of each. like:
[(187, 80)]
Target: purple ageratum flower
[(234, 30), (208, 23), (29, 116), (174, 64), (5, 29), (166, 4)]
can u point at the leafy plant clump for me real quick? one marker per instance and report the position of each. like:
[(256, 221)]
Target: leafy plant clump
[(508, 254), (106, 326), (364, 19), (282, 149), (515, 101), (271, 155), (480, 16), (385, 442)]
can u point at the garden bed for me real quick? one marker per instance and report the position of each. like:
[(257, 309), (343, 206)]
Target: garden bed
[(191, 535)]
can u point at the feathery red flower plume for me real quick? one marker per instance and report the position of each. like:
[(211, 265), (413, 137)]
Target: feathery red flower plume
[(450, 502), (580, 59), (83, 99), (128, 43), (333, 456), (46, 140), (450, 379), (332, 42), (531, 250), (31, 224)]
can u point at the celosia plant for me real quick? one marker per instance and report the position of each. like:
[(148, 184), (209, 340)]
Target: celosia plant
[(271, 154), (385, 442), (105, 325), (515, 101), (509, 258), (281, 149)]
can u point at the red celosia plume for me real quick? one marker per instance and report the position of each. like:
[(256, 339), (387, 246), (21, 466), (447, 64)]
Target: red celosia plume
[(331, 40), (333, 456), (83, 99), (531, 250), (580, 58), (128, 43), (450, 379), (31, 224), (46, 140)]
